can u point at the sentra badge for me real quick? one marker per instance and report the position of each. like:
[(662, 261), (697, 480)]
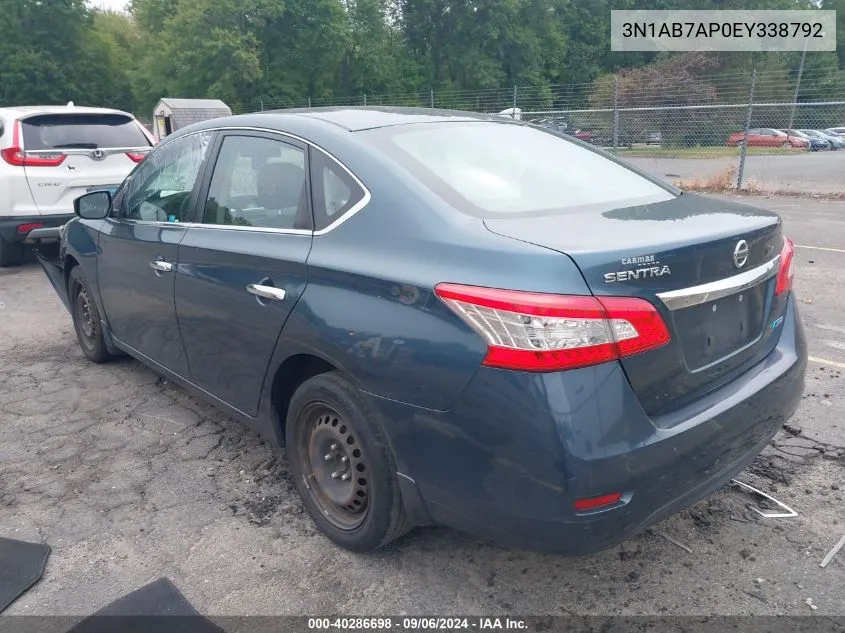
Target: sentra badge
[(647, 267)]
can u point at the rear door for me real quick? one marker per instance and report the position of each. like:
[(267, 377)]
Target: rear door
[(77, 152), (242, 264)]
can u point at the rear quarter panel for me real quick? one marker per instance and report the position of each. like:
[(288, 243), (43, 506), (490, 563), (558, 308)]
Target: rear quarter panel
[(369, 307)]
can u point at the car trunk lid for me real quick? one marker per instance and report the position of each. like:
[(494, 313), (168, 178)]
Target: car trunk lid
[(708, 265)]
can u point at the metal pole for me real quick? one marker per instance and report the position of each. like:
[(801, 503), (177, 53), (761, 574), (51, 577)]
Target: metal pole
[(744, 150), (615, 114), (309, 102), (514, 101), (365, 98), (797, 86), (432, 97), (261, 101)]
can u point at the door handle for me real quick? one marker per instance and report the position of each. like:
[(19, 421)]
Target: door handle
[(266, 292), (161, 266)]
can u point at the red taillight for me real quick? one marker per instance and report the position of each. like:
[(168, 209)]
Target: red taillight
[(546, 332), (594, 503), (787, 268), (23, 229), (136, 156), (15, 156)]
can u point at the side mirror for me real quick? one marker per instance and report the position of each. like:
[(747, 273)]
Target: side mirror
[(93, 206)]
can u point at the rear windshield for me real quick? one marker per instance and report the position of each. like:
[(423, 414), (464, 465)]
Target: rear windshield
[(502, 170), (82, 131)]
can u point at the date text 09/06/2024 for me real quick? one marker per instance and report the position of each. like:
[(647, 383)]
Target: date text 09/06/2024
[(416, 624)]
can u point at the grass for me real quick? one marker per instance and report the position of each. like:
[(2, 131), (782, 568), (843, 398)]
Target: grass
[(716, 151), (724, 182), (720, 182)]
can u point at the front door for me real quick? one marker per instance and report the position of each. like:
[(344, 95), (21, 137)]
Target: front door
[(139, 246), (242, 265)]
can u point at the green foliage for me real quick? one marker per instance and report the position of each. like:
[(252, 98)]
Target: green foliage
[(290, 52)]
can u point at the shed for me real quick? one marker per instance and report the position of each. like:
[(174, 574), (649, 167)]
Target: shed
[(173, 114)]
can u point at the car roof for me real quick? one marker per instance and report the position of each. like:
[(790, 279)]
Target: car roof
[(357, 118), (18, 112)]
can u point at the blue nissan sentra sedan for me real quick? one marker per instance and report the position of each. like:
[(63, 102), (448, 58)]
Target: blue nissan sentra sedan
[(446, 318)]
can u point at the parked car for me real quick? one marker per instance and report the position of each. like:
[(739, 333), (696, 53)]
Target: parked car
[(447, 318), (767, 137), (836, 131), (836, 142), (50, 155), (560, 125), (816, 143)]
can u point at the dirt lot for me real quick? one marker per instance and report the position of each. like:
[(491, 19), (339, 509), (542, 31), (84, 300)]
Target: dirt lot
[(129, 479), (807, 172)]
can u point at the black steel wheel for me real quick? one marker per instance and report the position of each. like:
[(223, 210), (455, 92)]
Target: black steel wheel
[(342, 465), (86, 318), (336, 467)]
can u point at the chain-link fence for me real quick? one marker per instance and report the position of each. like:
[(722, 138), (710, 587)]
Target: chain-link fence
[(771, 130)]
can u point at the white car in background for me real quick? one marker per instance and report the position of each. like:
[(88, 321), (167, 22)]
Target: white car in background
[(51, 155)]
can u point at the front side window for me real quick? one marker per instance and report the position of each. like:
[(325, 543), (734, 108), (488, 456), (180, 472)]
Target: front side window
[(503, 170), (258, 182), (160, 189)]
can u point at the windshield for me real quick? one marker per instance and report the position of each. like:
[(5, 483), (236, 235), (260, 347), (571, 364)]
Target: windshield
[(82, 131), (501, 169)]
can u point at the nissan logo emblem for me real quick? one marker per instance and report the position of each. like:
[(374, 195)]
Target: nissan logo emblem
[(740, 253)]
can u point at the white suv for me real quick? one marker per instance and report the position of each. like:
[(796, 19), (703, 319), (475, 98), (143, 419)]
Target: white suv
[(51, 155)]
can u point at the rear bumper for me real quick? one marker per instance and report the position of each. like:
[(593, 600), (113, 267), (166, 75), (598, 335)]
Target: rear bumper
[(9, 225), (510, 460)]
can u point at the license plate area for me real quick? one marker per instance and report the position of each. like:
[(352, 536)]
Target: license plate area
[(711, 331)]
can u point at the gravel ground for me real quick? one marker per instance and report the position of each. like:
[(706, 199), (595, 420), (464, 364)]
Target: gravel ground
[(129, 479), (808, 172)]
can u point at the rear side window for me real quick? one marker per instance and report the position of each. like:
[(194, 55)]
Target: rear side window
[(82, 131), (334, 191), (504, 170)]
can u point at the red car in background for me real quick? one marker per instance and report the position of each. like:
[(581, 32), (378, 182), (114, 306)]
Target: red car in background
[(559, 125), (767, 137)]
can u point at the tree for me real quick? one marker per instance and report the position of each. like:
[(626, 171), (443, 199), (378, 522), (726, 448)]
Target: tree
[(204, 48), (302, 47), (40, 44)]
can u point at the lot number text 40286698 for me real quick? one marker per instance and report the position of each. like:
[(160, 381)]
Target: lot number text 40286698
[(416, 624)]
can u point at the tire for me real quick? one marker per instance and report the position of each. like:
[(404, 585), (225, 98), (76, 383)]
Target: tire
[(86, 318), (786, 145), (332, 432), (11, 253)]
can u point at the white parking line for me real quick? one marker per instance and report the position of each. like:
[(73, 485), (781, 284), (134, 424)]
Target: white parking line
[(823, 361), (821, 248)]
